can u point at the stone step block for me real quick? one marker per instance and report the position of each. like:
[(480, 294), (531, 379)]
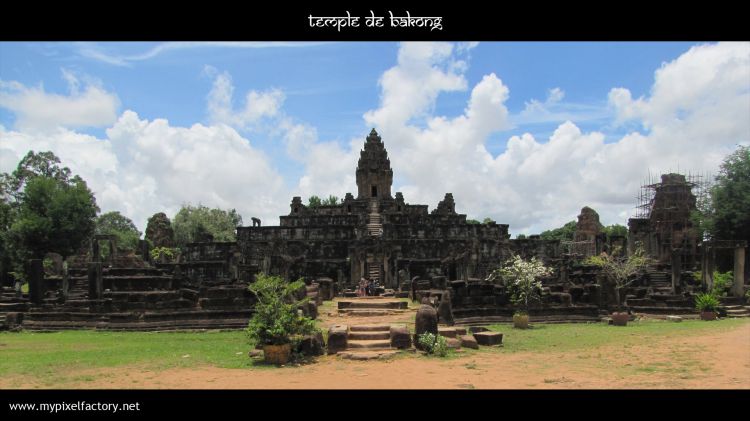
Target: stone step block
[(489, 338), (368, 336)]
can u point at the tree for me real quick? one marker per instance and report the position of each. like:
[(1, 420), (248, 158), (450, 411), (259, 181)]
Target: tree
[(521, 278), (53, 216), (615, 230), (488, 221), (730, 196), (315, 201), (43, 164), (725, 212), (473, 222), (564, 233), (114, 223), (620, 270), (44, 209), (196, 223), (275, 318)]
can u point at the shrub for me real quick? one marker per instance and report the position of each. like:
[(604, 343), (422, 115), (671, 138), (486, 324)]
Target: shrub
[(521, 278), (163, 252), (276, 319), (706, 302), (722, 282), (434, 344), (620, 270)]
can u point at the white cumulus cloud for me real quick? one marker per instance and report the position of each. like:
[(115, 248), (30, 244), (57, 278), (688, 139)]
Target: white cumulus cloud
[(38, 110)]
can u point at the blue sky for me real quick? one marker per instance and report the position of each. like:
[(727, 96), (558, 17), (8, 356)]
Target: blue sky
[(326, 90)]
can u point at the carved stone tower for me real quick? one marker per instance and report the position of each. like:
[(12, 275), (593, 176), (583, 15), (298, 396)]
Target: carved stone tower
[(374, 174)]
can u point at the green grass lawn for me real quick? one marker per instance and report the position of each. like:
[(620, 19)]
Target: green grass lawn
[(55, 358), (564, 337)]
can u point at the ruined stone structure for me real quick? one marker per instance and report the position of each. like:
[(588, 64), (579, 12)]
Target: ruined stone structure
[(433, 256), (588, 233), (665, 231), (374, 235)]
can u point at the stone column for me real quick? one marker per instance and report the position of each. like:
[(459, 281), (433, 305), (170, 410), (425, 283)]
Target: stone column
[(738, 289), (36, 281), (144, 251), (95, 254), (95, 280), (676, 270), (65, 281)]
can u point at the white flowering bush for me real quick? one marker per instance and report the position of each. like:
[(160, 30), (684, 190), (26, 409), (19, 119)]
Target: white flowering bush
[(522, 279), (434, 344)]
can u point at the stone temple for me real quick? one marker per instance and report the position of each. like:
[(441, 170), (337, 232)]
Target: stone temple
[(436, 255), (375, 234)]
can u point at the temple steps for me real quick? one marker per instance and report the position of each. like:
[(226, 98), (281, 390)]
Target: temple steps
[(372, 303), (737, 311), (367, 342), (369, 336)]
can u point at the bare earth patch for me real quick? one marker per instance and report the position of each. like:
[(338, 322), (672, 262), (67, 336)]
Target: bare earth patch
[(710, 360)]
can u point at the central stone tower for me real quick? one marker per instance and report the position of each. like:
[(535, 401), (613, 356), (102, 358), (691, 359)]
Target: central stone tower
[(374, 174)]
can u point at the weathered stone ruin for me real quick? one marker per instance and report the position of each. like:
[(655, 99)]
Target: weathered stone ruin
[(375, 235), (433, 256)]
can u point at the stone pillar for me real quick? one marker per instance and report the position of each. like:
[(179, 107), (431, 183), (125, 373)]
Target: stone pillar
[(144, 251), (95, 280), (65, 281), (676, 270), (112, 251), (738, 289), (95, 254), (36, 281)]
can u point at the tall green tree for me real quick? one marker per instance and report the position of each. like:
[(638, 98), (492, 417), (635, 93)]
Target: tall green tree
[(730, 197), (193, 223), (615, 230), (114, 223), (52, 217), (43, 208), (564, 233)]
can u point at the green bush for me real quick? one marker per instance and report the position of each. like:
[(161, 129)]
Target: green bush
[(706, 302), (434, 344), (276, 319), (166, 252), (722, 282)]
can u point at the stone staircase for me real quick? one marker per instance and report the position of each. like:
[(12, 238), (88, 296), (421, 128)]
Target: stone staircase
[(735, 307), (371, 306), (660, 281), (737, 311), (374, 272), (365, 342), (375, 225)]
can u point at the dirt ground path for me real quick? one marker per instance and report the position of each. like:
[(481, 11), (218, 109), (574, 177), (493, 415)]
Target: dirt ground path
[(710, 360)]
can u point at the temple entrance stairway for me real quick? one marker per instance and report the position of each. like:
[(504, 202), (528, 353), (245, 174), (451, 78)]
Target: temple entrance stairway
[(371, 306), (374, 225)]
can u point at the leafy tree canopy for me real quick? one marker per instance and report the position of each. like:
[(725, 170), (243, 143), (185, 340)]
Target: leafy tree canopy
[(615, 229), (564, 233), (53, 216), (114, 223), (196, 223), (730, 196), (315, 201)]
